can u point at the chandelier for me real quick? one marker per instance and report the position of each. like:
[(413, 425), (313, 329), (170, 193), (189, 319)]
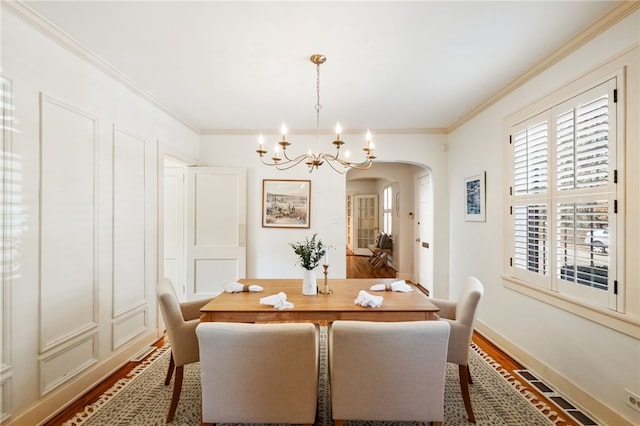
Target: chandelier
[(311, 159)]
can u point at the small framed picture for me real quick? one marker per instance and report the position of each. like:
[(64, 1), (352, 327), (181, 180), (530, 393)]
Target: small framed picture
[(474, 205), (286, 203)]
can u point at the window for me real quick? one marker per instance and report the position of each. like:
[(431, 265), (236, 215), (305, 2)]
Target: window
[(563, 199), (387, 209)]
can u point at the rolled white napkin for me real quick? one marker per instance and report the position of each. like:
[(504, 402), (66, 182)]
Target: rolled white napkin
[(394, 286), (368, 300), (239, 288), (278, 301)]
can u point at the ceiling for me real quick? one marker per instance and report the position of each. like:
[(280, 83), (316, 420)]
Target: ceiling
[(244, 66)]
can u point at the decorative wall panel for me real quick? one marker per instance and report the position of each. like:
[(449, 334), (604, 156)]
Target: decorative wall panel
[(128, 326), (68, 222), (129, 287), (65, 364), (5, 396), (10, 221)]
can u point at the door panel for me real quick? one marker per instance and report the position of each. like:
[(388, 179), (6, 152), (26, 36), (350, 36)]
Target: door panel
[(365, 222), (216, 229)]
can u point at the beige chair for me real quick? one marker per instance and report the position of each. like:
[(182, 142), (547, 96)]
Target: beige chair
[(461, 316), (389, 371), (258, 373), (180, 320)]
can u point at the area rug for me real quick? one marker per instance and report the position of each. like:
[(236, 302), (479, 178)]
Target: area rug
[(497, 397)]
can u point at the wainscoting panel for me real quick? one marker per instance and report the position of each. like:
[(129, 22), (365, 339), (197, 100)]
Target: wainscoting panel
[(5, 395), (129, 326), (129, 202), (10, 221), (66, 363), (68, 224)]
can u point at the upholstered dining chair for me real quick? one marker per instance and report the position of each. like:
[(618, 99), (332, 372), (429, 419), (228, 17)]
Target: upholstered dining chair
[(389, 371), (258, 373), (180, 320), (461, 316)]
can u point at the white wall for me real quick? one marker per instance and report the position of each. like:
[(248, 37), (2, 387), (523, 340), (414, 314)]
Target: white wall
[(597, 362), (268, 252), (81, 299)]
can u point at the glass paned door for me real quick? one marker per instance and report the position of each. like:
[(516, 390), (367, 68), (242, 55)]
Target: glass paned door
[(365, 222)]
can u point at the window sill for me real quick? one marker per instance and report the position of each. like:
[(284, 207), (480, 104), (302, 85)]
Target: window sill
[(614, 320)]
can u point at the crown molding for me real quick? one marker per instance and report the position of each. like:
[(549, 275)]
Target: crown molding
[(47, 28), (615, 15), (243, 132)]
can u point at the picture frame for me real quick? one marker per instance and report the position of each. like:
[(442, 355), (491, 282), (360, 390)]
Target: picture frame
[(475, 198), (286, 203)]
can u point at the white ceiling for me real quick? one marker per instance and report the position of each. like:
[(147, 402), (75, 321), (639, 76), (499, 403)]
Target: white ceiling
[(390, 65)]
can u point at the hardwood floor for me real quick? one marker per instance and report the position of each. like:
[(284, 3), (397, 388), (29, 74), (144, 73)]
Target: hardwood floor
[(357, 267)]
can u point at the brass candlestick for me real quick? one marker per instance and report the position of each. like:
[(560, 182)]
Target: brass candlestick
[(326, 289)]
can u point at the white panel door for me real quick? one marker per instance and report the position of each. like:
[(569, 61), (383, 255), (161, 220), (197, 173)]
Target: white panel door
[(365, 222), (174, 227), (216, 229), (425, 233)]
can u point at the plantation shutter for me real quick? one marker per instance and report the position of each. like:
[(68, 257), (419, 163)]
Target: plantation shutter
[(530, 209), (563, 195), (583, 206)]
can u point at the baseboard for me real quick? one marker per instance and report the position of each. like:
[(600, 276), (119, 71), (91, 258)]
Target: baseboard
[(50, 405), (603, 414)]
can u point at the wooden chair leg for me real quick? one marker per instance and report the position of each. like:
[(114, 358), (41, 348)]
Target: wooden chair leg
[(177, 387), (436, 423), (463, 373), (172, 366), (338, 422), (469, 374)]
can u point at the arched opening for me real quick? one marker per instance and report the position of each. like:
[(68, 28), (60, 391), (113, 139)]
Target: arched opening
[(400, 195)]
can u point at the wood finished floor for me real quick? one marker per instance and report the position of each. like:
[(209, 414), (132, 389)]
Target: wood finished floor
[(357, 267)]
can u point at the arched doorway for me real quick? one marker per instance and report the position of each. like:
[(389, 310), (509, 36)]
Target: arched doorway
[(411, 216)]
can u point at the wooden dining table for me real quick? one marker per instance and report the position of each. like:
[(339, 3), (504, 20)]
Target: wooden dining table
[(320, 308)]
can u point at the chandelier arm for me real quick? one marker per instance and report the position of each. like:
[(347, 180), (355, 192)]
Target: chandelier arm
[(284, 153), (338, 159), (363, 165), (349, 165), (296, 160), (330, 163), (292, 163)]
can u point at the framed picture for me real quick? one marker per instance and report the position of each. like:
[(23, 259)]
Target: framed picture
[(474, 204), (286, 203)]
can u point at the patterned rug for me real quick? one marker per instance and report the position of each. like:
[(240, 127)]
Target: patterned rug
[(498, 398)]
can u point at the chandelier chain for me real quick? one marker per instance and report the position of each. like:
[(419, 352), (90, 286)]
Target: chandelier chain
[(318, 108)]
